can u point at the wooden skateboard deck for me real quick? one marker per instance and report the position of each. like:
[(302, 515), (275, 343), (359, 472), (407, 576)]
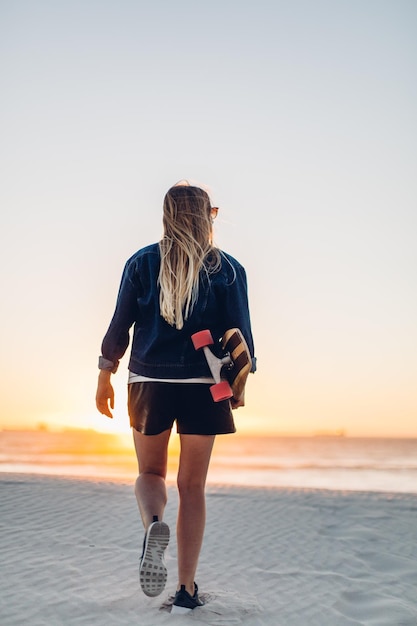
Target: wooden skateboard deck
[(233, 343)]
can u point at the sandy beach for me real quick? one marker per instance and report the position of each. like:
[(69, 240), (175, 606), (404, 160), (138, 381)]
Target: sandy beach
[(273, 557)]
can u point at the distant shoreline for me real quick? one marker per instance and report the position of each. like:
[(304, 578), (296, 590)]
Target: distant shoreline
[(337, 434)]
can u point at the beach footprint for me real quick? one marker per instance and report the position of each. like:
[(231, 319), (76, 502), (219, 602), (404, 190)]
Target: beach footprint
[(221, 608), (375, 608)]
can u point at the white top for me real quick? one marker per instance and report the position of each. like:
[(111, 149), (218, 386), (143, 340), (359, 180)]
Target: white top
[(137, 378)]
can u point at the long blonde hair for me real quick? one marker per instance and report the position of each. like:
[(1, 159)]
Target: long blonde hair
[(186, 250)]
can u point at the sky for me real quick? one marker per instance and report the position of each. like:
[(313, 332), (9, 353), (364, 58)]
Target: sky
[(298, 116)]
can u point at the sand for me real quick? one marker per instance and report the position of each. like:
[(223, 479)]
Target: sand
[(277, 557)]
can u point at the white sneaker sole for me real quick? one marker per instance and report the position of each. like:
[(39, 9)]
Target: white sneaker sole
[(152, 570), (179, 610)]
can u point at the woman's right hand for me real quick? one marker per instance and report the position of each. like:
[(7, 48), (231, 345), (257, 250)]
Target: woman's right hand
[(105, 393)]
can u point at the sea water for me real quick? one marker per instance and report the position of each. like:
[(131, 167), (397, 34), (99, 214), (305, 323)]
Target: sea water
[(341, 463)]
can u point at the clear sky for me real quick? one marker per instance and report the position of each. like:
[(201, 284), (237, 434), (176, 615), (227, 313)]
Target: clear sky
[(300, 117)]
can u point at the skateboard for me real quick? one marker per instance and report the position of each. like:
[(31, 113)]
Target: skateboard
[(231, 370)]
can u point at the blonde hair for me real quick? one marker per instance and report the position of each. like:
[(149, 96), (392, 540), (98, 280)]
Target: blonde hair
[(186, 250)]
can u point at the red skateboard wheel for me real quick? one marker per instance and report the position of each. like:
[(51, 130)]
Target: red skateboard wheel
[(221, 391), (202, 339)]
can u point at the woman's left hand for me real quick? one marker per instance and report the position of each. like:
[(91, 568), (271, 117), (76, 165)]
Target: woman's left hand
[(237, 403)]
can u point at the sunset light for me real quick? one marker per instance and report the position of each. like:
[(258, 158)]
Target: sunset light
[(282, 132), (308, 155)]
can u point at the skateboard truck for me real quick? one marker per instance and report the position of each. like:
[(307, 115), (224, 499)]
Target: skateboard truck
[(221, 390)]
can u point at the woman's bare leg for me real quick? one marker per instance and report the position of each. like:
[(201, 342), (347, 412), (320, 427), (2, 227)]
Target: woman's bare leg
[(150, 488), (192, 474)]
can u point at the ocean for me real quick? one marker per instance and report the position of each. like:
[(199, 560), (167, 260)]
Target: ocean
[(341, 463)]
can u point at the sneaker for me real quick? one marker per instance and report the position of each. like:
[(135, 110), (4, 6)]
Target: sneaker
[(152, 570), (184, 603)]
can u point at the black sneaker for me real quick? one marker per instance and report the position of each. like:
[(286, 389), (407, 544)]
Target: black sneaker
[(152, 570), (184, 603)]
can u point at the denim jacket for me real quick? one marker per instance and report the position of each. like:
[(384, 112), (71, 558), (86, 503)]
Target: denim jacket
[(159, 350)]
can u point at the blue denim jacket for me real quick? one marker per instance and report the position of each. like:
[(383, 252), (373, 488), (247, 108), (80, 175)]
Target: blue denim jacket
[(158, 349)]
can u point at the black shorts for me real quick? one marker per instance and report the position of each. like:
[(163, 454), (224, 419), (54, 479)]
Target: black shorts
[(155, 406)]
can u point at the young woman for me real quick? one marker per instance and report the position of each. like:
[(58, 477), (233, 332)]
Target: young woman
[(169, 291)]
